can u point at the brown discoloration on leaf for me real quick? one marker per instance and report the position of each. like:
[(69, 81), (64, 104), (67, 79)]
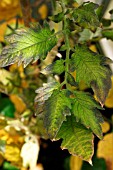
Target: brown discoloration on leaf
[(92, 69), (85, 110), (109, 99), (27, 45), (102, 91), (76, 138)]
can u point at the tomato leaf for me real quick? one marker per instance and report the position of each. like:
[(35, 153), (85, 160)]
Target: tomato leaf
[(56, 67), (84, 109), (71, 80), (76, 138), (28, 44), (92, 68), (85, 16), (57, 18), (54, 111), (45, 92)]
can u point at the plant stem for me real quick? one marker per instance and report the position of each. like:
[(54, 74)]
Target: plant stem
[(65, 31), (26, 10)]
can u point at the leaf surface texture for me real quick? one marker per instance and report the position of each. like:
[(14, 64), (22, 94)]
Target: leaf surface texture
[(76, 138), (92, 69), (28, 44)]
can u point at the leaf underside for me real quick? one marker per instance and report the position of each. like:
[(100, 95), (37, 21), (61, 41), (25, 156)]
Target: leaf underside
[(76, 138), (92, 69), (28, 45)]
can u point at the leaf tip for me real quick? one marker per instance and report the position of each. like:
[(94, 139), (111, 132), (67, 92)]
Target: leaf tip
[(102, 104), (90, 162)]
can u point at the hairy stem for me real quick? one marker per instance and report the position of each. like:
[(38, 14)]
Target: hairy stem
[(65, 28)]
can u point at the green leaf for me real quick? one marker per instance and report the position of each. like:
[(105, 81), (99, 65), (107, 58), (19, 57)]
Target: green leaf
[(108, 34), (106, 22), (7, 107), (76, 138), (56, 67), (54, 111), (8, 166), (84, 109), (68, 2), (40, 126), (28, 44), (57, 18), (91, 68), (100, 12), (0, 48), (63, 47), (85, 16)]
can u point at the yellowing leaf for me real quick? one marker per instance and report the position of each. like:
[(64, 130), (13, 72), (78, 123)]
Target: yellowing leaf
[(105, 127), (82, 85), (39, 42), (109, 99), (19, 104), (9, 9), (93, 48), (3, 135), (11, 136), (105, 150), (3, 122), (14, 68), (75, 4), (75, 163), (2, 31), (23, 168), (5, 76), (12, 154), (43, 11)]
